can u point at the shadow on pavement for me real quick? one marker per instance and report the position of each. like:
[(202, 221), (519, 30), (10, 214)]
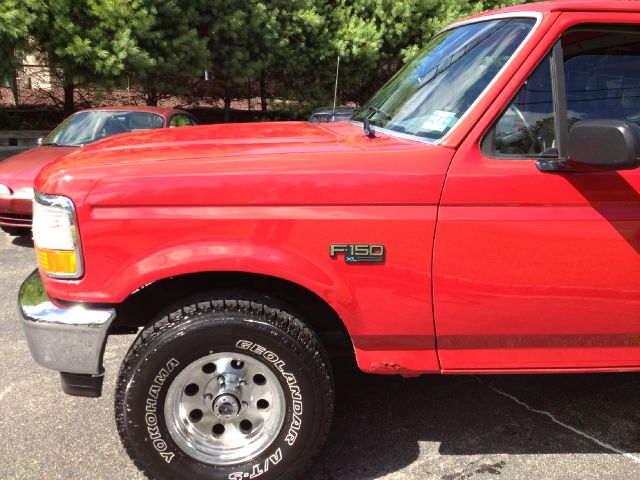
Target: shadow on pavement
[(380, 420), (23, 241)]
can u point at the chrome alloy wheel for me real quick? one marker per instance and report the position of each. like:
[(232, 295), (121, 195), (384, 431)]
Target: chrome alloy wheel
[(225, 408)]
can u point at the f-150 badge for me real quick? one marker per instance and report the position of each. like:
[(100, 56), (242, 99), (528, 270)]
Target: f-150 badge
[(358, 252)]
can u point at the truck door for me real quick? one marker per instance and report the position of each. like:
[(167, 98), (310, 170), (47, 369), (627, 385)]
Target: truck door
[(538, 270)]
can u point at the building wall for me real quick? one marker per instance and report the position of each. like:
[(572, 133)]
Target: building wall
[(34, 73)]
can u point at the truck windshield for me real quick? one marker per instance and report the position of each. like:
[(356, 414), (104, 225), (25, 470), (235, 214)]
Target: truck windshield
[(430, 94)]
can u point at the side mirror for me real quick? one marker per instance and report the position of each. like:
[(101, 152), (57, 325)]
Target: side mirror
[(605, 144), (599, 145)]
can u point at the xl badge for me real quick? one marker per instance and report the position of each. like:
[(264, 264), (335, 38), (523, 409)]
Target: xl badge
[(358, 252)]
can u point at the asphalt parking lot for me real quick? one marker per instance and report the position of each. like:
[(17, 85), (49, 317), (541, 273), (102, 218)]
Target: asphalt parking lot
[(448, 428)]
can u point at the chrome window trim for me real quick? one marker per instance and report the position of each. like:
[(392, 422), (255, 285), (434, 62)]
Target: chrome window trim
[(58, 201), (498, 16)]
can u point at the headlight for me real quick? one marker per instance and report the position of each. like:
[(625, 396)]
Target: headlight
[(55, 236), (4, 190), (25, 193)]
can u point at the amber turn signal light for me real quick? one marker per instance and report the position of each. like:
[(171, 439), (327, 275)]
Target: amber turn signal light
[(57, 261)]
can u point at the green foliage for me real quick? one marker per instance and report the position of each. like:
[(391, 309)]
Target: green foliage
[(374, 37), (90, 40), (175, 51), (431, 16), (162, 45), (295, 46), (15, 20), (249, 39), (228, 28)]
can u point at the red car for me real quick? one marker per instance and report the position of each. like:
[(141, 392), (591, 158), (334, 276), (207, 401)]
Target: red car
[(87, 126), (480, 214)]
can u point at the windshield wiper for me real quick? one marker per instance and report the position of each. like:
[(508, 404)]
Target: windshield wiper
[(53, 144), (368, 129)]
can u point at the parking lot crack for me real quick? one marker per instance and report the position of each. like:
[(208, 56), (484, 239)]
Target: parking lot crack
[(566, 426)]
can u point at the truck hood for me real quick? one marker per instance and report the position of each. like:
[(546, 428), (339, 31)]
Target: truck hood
[(223, 140), (252, 163)]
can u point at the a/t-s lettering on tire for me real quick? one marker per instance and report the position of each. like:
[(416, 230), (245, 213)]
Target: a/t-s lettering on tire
[(224, 389)]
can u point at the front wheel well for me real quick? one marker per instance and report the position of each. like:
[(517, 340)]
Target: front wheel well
[(145, 304)]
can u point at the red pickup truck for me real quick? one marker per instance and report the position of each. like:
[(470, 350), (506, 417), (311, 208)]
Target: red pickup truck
[(480, 214)]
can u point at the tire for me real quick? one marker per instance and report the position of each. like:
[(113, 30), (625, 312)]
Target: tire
[(15, 231), (185, 373)]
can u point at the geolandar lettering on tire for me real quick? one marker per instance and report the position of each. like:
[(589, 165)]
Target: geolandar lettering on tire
[(151, 408), (296, 401), (259, 469)]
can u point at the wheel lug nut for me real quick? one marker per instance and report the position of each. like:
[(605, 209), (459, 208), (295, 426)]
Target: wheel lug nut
[(208, 397), (221, 380), (243, 383)]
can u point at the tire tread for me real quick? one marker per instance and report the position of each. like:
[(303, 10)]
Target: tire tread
[(276, 317)]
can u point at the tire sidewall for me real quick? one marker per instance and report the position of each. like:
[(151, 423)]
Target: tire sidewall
[(176, 348)]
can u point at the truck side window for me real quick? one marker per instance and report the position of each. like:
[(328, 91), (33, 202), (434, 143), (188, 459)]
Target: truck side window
[(602, 78), (602, 72), (527, 126)]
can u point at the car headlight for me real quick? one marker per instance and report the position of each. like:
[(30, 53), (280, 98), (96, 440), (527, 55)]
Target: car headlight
[(55, 236), (25, 193), (4, 190)]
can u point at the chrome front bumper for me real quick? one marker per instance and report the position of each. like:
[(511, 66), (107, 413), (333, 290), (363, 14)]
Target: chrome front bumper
[(66, 339)]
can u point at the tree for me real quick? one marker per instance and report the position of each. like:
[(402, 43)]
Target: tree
[(163, 45), (424, 18), (225, 26), (15, 20), (89, 40), (170, 39), (375, 37), (250, 39), (356, 36), (291, 43)]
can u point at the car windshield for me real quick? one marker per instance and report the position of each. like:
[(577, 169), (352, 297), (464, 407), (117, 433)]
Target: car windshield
[(90, 126), (428, 96)]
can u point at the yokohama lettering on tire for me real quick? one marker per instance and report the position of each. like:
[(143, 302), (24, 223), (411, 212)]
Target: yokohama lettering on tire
[(224, 389)]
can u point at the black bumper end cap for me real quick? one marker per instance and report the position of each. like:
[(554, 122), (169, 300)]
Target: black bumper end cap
[(81, 385)]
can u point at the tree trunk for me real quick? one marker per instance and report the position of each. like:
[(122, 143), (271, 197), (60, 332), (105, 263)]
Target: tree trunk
[(14, 81), (69, 104), (14, 88), (151, 96), (249, 94), (263, 91), (227, 104)]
